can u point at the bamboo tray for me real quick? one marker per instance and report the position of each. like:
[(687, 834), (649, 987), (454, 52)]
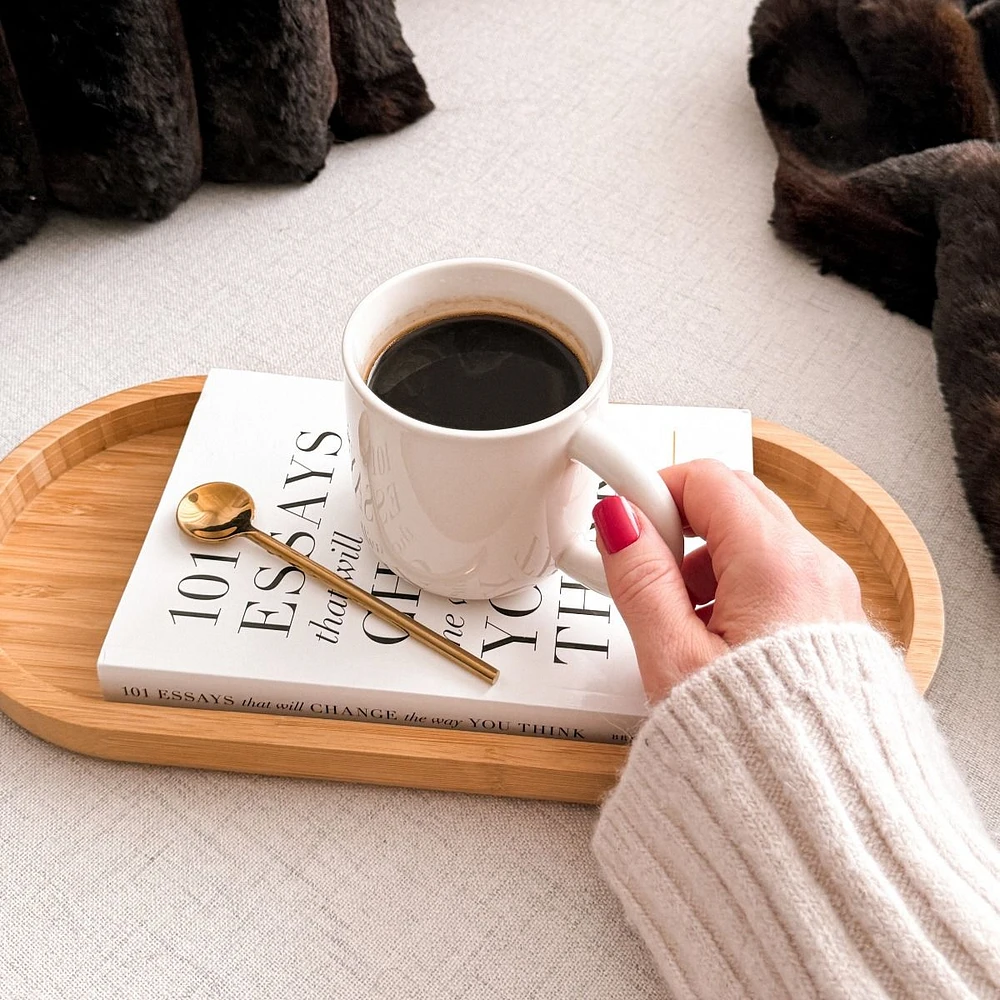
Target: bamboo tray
[(70, 530)]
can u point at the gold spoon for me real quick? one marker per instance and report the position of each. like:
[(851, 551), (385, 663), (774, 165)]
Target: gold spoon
[(217, 511)]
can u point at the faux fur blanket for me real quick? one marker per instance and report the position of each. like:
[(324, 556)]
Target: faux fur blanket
[(120, 108), (884, 116)]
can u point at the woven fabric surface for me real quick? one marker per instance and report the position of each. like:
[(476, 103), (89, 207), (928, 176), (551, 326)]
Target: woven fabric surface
[(619, 146)]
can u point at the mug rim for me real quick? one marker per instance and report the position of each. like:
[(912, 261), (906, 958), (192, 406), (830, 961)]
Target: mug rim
[(353, 374)]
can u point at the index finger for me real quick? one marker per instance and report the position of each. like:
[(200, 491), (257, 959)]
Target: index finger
[(716, 501)]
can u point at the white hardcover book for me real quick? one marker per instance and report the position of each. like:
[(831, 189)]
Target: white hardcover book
[(228, 626)]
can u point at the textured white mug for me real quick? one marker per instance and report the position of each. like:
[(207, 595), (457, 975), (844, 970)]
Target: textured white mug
[(480, 514)]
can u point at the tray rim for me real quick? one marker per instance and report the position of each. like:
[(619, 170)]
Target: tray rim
[(348, 750)]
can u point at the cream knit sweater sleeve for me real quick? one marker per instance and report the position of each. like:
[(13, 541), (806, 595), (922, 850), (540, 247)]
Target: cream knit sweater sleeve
[(789, 824)]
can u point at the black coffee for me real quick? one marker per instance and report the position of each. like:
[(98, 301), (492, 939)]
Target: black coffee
[(479, 373)]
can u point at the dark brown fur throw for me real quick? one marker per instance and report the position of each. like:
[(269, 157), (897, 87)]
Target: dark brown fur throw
[(110, 97), (381, 89), (985, 17), (266, 87), (22, 184), (124, 105), (885, 123)]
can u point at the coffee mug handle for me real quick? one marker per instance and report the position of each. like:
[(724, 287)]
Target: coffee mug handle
[(596, 447)]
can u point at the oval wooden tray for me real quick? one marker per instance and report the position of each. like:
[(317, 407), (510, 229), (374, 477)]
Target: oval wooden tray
[(75, 502)]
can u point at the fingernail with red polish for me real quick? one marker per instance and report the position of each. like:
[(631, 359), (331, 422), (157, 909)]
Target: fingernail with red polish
[(616, 524)]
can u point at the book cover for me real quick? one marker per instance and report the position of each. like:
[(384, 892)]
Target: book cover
[(227, 626)]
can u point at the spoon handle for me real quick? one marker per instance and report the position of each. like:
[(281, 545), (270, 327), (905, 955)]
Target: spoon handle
[(379, 608)]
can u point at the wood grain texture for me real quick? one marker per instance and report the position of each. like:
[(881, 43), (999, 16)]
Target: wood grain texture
[(69, 539)]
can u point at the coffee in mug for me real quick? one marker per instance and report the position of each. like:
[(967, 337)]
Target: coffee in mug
[(478, 372)]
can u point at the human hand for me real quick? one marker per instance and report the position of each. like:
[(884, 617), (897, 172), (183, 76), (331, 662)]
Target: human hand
[(759, 570)]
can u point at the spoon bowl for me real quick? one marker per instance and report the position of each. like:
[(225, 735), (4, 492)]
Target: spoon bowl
[(214, 512)]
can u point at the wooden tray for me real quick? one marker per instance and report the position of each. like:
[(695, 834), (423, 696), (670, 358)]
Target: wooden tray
[(75, 502)]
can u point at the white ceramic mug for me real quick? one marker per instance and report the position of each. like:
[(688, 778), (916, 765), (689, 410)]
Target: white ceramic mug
[(480, 514)]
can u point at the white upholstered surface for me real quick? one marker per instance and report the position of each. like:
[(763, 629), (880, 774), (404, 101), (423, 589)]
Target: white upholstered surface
[(617, 144)]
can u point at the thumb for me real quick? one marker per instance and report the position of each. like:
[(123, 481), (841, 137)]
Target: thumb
[(648, 589)]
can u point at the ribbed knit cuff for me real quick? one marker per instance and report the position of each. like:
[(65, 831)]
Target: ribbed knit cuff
[(789, 823)]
